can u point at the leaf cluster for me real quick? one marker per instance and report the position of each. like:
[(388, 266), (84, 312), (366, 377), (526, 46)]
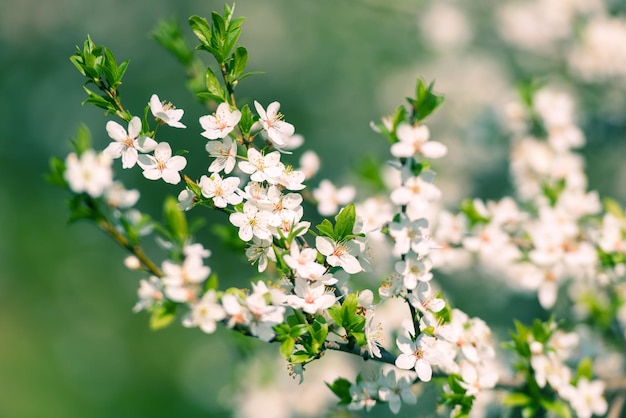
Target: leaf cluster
[(98, 64)]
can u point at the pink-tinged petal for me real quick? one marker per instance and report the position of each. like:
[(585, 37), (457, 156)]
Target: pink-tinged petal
[(116, 131), (177, 163), (152, 174), (146, 144), (260, 110), (272, 110), (434, 149), (114, 149), (170, 176), (163, 151), (134, 127), (402, 149), (423, 369), (405, 361), (129, 158)]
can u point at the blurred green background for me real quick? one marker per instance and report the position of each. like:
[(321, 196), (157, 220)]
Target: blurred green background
[(71, 347)]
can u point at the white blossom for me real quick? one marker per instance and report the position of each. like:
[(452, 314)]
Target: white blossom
[(162, 164), (166, 112), (221, 123)]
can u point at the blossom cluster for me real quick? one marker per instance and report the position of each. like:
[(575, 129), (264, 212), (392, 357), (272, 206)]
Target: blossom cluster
[(555, 234)]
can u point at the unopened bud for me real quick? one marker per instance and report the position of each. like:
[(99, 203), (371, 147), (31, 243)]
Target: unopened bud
[(132, 263)]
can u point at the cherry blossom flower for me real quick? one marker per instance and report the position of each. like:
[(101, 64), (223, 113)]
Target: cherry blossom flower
[(262, 167), (181, 281), (186, 199), (311, 297), (413, 140), (309, 164), (251, 222), (374, 336), (162, 164), (260, 251), (222, 191), (205, 313), (329, 198), (395, 389), (224, 153), (418, 355), (303, 261), (586, 398), (166, 113), (265, 314), (118, 196), (476, 378), (221, 123), (149, 293), (90, 173), (424, 300), (277, 130), (413, 271), (339, 254), (126, 144)]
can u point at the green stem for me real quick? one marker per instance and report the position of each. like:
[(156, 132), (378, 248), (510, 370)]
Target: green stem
[(136, 250)]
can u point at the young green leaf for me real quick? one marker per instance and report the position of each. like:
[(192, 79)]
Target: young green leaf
[(175, 220), (345, 222)]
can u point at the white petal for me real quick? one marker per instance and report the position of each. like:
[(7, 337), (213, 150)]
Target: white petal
[(177, 163), (116, 131), (324, 245), (134, 127), (129, 158), (434, 149), (170, 176), (423, 369), (405, 361)]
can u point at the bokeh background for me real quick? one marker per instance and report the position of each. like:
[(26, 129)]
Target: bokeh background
[(70, 345)]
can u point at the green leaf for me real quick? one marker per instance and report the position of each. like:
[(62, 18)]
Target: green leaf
[(426, 101), (212, 283), (585, 369), (473, 216), (240, 60), (56, 174), (369, 169), (345, 222), (201, 29), (98, 101), (168, 35), (336, 314), (326, 229), (82, 140), (341, 388), (175, 220), (230, 40), (516, 399), (208, 97), (286, 347), (162, 316), (246, 121), (213, 85), (557, 407), (613, 207)]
